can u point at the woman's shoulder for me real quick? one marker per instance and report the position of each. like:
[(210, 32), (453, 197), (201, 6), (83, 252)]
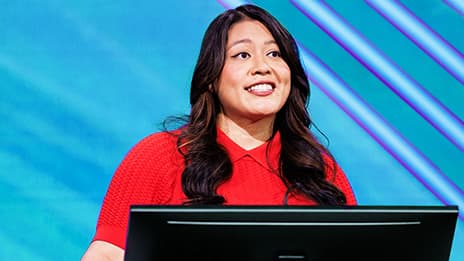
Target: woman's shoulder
[(158, 141), (153, 160), (155, 147)]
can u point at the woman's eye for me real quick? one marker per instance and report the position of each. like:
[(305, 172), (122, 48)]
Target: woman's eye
[(274, 54), (242, 55)]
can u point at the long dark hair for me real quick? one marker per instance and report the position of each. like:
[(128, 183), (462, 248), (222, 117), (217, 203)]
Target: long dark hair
[(207, 165)]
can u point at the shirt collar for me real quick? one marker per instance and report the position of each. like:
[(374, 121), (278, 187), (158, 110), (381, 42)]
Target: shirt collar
[(236, 152)]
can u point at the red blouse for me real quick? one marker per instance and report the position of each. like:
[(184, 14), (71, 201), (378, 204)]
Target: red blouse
[(151, 174)]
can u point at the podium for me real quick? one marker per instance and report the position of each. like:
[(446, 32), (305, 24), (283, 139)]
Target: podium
[(264, 233)]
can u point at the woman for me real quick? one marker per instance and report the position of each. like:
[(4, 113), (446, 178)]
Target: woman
[(247, 139)]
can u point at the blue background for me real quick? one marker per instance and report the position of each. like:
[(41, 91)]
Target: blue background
[(82, 81)]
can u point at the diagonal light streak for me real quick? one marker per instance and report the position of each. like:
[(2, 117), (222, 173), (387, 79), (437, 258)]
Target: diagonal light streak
[(26, 179), (383, 133), (13, 248), (410, 91), (457, 5), (232, 3), (422, 35), (75, 104), (115, 49), (378, 128)]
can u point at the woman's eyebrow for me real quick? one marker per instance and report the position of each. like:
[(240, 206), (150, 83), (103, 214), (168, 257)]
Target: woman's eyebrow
[(247, 40)]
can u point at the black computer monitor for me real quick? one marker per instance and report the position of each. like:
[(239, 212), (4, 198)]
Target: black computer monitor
[(235, 233)]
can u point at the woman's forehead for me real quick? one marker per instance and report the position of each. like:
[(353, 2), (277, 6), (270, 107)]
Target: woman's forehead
[(247, 31)]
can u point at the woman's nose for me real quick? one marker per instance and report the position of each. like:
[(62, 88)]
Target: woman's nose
[(260, 66)]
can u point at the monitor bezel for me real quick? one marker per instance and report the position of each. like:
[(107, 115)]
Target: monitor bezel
[(363, 219)]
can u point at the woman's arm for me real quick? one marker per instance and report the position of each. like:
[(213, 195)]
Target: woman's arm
[(103, 251)]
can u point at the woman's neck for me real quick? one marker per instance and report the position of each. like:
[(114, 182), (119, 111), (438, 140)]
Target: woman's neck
[(247, 134)]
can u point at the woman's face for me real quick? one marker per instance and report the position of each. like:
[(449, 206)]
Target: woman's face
[(255, 81)]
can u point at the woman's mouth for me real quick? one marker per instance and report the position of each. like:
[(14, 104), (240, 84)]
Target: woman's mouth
[(261, 89)]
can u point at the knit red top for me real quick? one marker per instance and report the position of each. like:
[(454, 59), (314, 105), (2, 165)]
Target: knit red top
[(151, 174)]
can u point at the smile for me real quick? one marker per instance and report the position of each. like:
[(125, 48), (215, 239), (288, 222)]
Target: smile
[(260, 88)]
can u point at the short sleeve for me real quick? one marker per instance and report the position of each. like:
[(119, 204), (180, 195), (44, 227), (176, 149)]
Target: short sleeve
[(145, 176)]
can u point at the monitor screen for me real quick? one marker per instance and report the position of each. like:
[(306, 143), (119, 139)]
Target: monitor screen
[(290, 233)]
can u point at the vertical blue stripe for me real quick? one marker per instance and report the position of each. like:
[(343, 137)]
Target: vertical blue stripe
[(445, 121), (422, 35)]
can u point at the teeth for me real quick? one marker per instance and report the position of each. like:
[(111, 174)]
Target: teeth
[(260, 87)]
